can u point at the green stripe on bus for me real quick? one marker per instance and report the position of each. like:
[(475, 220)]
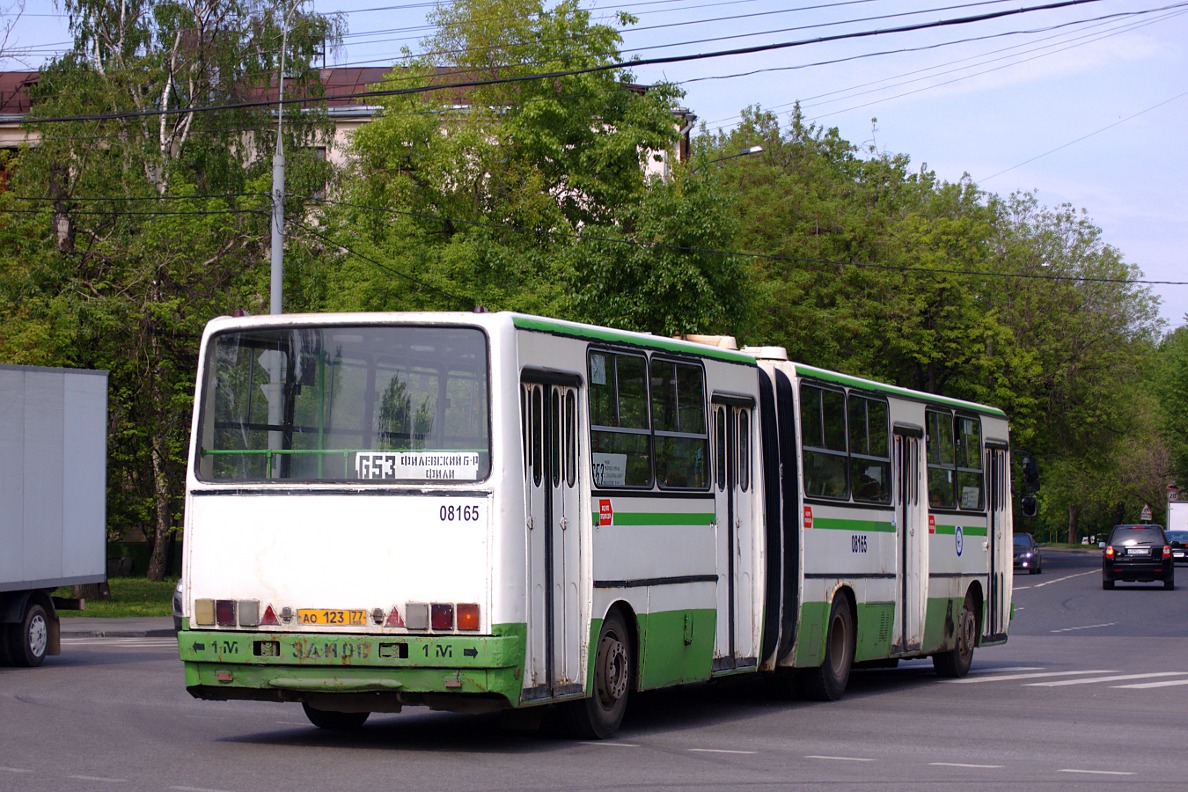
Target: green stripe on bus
[(623, 337), (968, 530), (658, 518), (843, 524)]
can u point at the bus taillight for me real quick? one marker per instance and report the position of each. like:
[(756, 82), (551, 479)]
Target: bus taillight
[(468, 616), (441, 616)]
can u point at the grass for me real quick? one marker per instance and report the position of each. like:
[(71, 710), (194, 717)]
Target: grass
[(129, 597)]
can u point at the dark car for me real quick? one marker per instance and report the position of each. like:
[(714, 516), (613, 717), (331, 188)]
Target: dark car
[(1179, 545), (1027, 554), (1138, 552)]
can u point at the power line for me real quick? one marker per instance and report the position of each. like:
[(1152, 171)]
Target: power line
[(1091, 134), (472, 83)]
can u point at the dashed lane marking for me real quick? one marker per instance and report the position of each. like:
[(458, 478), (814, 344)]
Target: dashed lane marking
[(1036, 675), (1116, 678)]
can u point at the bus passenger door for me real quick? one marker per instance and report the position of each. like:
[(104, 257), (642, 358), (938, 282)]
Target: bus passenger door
[(554, 528), (734, 644), (911, 535), (998, 606)]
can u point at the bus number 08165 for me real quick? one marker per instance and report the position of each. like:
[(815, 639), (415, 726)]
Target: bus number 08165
[(459, 513)]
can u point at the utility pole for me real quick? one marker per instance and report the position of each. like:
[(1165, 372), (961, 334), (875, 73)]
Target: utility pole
[(278, 184)]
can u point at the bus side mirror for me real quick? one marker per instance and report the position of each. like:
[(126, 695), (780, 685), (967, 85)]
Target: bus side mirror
[(1029, 505)]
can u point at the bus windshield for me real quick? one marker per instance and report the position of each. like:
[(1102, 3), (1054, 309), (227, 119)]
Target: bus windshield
[(386, 403)]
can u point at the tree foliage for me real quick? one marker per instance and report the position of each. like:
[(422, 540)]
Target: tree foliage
[(529, 194), (144, 214), (866, 266)]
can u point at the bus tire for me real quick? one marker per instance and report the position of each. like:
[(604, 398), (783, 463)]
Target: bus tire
[(28, 641), (334, 721), (599, 716), (827, 682), (955, 663)]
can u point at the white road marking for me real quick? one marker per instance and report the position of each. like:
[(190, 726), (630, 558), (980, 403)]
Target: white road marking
[(1118, 678), (15, 770), (99, 778), (1085, 627), (604, 744), (1058, 580), (1012, 677), (1096, 772), (1145, 685), (962, 764), (718, 750), (841, 758)]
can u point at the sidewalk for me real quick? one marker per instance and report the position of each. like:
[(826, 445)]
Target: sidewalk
[(135, 627)]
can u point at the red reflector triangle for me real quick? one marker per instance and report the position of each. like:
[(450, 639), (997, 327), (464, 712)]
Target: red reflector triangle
[(269, 619), (394, 619)]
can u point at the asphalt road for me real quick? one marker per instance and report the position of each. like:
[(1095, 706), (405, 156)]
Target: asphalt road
[(1086, 694)]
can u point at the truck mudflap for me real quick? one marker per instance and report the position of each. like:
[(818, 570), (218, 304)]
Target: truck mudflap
[(291, 666)]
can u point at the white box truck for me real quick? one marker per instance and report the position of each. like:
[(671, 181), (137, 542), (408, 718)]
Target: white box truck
[(53, 504), (1177, 515)]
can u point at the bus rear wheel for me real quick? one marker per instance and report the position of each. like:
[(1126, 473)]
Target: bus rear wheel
[(599, 716), (955, 663), (335, 721), (827, 682)]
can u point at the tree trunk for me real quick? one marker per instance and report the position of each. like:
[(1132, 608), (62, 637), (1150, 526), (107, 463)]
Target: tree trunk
[(159, 560), (1073, 510)]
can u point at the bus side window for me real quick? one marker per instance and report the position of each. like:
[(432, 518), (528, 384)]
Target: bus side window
[(571, 438), (823, 424), (744, 449), (970, 481), (870, 453), (942, 481), (537, 434), (620, 428), (679, 425), (720, 445)]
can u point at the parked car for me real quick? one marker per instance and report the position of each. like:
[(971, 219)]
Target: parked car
[(1140, 553), (1027, 554), (1179, 545)]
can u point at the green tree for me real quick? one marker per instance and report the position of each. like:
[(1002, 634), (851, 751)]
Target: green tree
[(145, 213), (523, 194), (1171, 382)]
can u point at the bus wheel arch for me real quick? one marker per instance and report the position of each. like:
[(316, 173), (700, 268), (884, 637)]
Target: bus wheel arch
[(955, 662), (828, 681), (614, 675)]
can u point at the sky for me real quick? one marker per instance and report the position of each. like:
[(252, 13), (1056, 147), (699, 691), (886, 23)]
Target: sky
[(1085, 105)]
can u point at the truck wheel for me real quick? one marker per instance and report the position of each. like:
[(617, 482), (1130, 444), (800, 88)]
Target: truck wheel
[(29, 640)]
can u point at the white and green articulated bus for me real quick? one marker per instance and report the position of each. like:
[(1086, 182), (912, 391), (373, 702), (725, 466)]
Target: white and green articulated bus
[(493, 511)]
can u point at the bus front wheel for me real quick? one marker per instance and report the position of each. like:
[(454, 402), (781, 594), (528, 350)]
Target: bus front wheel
[(827, 682), (955, 663), (599, 716)]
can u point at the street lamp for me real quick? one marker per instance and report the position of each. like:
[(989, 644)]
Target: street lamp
[(745, 152)]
